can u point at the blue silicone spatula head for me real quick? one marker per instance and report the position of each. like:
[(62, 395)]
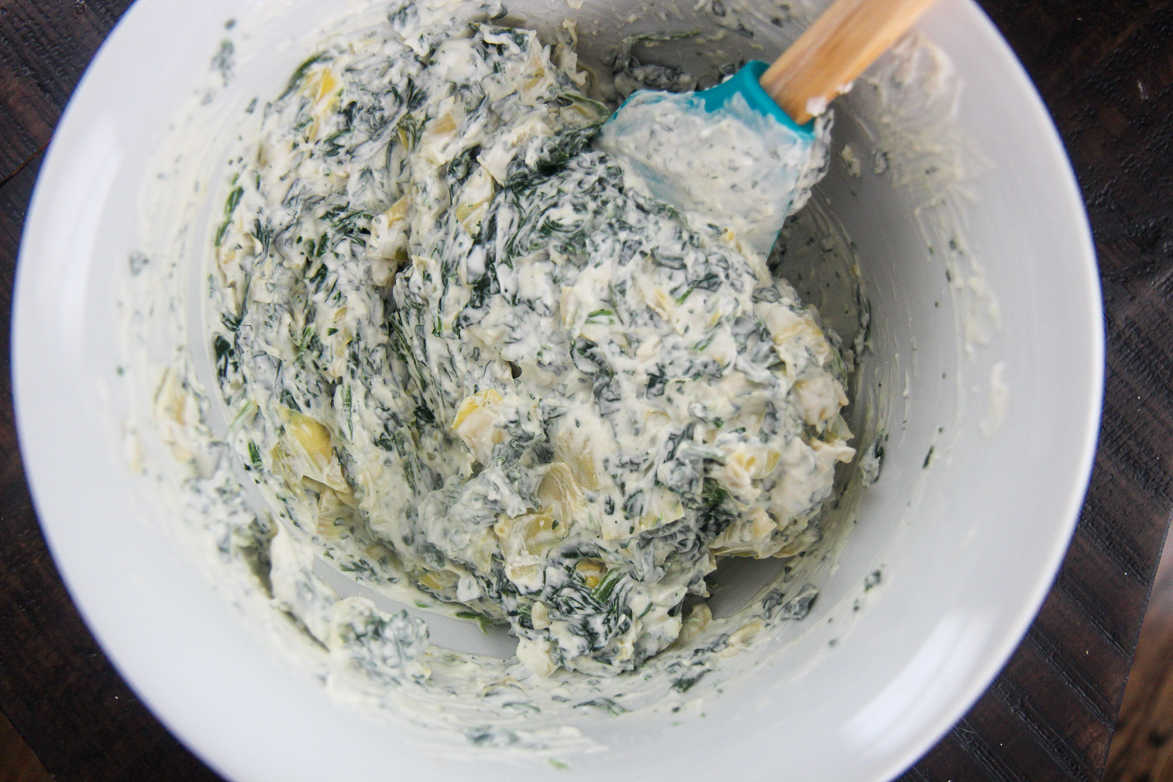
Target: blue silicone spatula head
[(747, 83)]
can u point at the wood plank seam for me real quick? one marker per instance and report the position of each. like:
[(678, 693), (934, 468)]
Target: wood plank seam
[(972, 741), (1056, 746), (22, 166), (1131, 449), (1077, 595), (1051, 653), (1123, 443), (1143, 743), (1092, 519), (1127, 331)]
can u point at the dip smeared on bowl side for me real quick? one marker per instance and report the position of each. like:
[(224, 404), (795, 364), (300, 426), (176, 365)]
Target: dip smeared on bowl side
[(460, 344)]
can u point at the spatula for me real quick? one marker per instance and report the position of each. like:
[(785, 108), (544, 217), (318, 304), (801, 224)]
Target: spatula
[(822, 63)]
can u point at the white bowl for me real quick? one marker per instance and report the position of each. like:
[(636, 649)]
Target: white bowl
[(1006, 359)]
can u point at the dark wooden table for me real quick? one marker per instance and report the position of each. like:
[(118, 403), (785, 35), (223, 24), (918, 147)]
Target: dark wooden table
[(1105, 69)]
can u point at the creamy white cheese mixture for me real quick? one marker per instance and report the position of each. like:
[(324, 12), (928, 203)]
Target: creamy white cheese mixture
[(462, 342)]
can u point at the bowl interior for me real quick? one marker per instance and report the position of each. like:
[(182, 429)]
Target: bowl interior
[(985, 373)]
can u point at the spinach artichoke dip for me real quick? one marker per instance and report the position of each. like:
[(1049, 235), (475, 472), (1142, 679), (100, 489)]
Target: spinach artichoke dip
[(462, 346)]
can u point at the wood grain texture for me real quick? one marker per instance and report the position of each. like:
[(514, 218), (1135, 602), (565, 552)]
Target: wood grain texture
[(1142, 749), (848, 37), (18, 763), (1105, 69), (43, 49), (56, 687)]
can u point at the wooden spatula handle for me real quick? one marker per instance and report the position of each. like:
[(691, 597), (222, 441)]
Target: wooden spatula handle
[(845, 40)]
